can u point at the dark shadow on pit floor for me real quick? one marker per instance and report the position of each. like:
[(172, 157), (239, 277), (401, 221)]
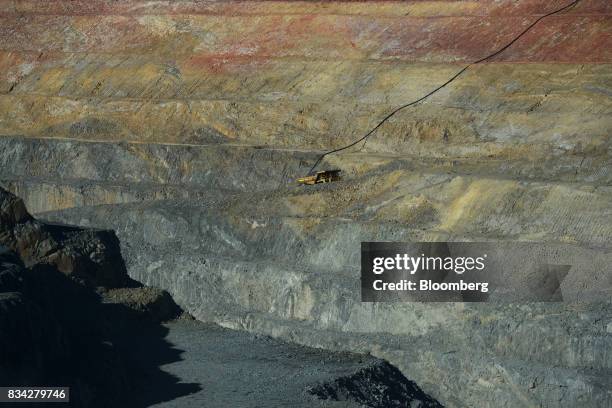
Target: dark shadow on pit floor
[(145, 349), (108, 354)]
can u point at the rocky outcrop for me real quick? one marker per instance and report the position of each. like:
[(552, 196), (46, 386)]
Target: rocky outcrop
[(54, 327), (378, 386), (93, 257), (153, 304)]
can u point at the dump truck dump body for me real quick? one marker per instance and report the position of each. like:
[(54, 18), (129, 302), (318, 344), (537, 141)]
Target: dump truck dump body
[(326, 176)]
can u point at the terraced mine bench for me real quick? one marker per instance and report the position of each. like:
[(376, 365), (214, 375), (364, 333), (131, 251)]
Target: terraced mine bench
[(145, 117)]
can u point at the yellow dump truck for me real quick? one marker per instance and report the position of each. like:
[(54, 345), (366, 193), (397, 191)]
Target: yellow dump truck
[(325, 176)]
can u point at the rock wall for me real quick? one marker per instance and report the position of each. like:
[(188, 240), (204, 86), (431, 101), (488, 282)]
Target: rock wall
[(182, 125), (308, 74), (297, 278), (65, 304)]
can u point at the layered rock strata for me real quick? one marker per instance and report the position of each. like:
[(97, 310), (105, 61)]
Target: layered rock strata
[(182, 125)]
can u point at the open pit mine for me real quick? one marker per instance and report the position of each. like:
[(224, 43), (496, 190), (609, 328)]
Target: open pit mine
[(156, 248)]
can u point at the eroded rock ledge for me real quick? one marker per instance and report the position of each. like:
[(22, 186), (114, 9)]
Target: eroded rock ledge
[(60, 314), (92, 328)]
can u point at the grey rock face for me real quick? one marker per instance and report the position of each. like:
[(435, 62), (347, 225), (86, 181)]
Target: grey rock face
[(279, 280), (235, 243), (225, 231), (107, 345)]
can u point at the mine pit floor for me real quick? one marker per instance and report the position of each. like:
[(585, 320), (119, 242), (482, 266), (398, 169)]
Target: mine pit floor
[(224, 368)]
